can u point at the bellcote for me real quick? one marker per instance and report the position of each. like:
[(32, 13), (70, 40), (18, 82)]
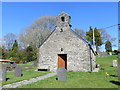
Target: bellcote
[(63, 20)]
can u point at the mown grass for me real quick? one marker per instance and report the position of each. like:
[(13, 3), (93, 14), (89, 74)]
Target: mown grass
[(84, 79), (27, 74)]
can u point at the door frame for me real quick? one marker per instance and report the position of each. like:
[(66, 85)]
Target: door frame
[(65, 59)]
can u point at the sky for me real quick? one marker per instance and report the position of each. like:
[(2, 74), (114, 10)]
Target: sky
[(17, 16)]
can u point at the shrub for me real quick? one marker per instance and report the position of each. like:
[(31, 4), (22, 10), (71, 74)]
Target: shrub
[(15, 59)]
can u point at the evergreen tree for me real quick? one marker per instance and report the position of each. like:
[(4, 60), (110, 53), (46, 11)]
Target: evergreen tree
[(14, 51), (98, 39), (15, 46), (2, 51), (29, 52), (108, 46)]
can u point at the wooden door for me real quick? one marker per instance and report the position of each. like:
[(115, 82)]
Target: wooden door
[(62, 60)]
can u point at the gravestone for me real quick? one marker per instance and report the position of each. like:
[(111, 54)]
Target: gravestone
[(25, 62), (18, 71), (14, 65), (35, 63), (119, 71), (110, 53), (8, 67), (62, 74), (115, 63), (3, 74)]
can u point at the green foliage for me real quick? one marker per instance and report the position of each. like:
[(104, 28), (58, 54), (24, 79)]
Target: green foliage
[(14, 51), (3, 52), (89, 35), (97, 36), (29, 53), (108, 46), (16, 59)]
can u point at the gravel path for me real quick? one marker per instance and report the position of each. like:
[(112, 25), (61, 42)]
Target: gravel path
[(17, 84)]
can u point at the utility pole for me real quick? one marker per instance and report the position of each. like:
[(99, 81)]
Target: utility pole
[(94, 41)]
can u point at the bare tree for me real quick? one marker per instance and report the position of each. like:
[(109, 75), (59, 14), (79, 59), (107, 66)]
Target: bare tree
[(36, 33), (9, 39), (80, 32), (106, 37)]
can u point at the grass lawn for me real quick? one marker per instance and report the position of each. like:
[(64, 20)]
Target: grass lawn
[(84, 79), (27, 74)]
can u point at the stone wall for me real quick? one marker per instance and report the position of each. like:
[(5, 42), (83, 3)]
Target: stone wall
[(78, 51)]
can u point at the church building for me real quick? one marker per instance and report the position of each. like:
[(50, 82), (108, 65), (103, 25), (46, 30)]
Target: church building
[(64, 48)]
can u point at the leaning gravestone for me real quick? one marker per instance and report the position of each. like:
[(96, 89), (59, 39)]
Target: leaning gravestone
[(62, 74), (115, 63), (3, 74), (14, 65), (8, 67), (18, 71)]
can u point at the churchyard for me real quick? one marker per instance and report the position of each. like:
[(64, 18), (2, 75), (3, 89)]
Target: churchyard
[(107, 77), (22, 72)]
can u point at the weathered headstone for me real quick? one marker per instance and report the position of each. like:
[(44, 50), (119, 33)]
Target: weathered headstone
[(62, 74), (25, 62), (18, 71), (110, 53), (119, 71), (14, 65), (115, 63), (35, 63), (8, 67), (3, 74)]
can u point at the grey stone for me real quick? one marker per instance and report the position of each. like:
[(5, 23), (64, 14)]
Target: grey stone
[(8, 67), (14, 65), (80, 56), (115, 63), (119, 71), (3, 74), (35, 63), (18, 71), (62, 74), (25, 62), (110, 53)]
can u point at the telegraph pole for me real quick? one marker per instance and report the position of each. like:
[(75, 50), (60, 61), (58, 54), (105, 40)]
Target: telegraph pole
[(94, 41)]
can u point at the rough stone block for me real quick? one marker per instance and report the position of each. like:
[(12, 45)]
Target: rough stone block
[(18, 71), (62, 74)]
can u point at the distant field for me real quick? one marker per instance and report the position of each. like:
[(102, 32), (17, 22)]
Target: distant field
[(84, 79)]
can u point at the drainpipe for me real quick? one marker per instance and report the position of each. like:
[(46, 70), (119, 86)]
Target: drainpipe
[(90, 58)]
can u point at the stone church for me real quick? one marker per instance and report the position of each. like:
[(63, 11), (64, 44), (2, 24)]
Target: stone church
[(64, 48)]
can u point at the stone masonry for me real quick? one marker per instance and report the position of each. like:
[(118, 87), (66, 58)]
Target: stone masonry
[(80, 56)]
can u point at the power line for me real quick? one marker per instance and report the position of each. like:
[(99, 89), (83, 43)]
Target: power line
[(111, 26)]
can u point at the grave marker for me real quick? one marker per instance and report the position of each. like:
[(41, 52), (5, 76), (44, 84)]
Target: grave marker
[(35, 63), (18, 71), (14, 65), (8, 67), (115, 63), (62, 74), (3, 74)]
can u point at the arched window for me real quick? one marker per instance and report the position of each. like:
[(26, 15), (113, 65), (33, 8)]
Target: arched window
[(63, 19)]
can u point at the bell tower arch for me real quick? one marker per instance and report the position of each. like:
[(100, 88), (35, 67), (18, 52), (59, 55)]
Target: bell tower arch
[(63, 21)]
